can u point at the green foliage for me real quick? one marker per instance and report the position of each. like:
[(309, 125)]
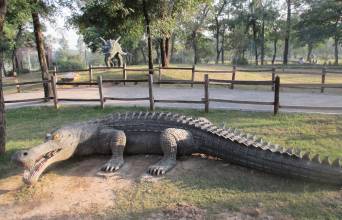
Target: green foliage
[(205, 49), (109, 19), (69, 62)]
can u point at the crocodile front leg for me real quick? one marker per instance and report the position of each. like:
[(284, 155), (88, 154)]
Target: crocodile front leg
[(171, 140), (116, 141)]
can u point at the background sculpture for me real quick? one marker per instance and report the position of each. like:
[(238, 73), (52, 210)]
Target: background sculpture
[(112, 51)]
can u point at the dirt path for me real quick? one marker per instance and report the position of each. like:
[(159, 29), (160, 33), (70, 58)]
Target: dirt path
[(74, 191), (286, 98)]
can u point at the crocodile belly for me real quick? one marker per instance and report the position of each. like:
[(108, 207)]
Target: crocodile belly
[(143, 143)]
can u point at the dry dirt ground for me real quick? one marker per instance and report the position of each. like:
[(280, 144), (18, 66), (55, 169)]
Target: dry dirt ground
[(75, 191)]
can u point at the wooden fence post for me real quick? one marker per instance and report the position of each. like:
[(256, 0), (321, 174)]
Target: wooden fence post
[(206, 93), (193, 72), (99, 84), (16, 81), (54, 72), (160, 73), (54, 91), (324, 72), (90, 73), (150, 91), (124, 73), (273, 77), (276, 94), (233, 77)]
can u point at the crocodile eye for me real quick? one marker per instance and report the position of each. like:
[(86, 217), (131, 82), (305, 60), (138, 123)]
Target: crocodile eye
[(56, 137)]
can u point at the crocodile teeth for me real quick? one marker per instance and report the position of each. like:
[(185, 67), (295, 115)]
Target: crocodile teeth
[(211, 128), (316, 159), (282, 150), (152, 115), (242, 138), (306, 156), (223, 125), (265, 146), (259, 142), (186, 120), (274, 148), (337, 163), (139, 115), (168, 115), (161, 115), (299, 153), (289, 151), (250, 140), (326, 161), (237, 132)]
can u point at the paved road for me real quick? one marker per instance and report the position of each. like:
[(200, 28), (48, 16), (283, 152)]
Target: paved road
[(288, 98)]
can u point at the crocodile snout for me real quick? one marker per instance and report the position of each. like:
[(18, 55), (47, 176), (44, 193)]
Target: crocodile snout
[(20, 157)]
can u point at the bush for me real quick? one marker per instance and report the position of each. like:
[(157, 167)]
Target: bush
[(69, 63), (240, 61)]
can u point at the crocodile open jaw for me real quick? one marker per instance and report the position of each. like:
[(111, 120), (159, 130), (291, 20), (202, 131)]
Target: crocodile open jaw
[(38, 167)]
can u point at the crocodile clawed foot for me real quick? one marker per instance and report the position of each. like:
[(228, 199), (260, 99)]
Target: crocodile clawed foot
[(112, 165), (161, 167)]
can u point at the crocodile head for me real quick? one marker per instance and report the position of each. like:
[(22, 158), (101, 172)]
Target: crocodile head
[(58, 146)]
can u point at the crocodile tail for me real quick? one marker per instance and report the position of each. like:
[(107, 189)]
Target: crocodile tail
[(243, 149)]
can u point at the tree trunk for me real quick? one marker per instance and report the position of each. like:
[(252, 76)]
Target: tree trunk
[(167, 51), (222, 48), (173, 41), (262, 42), (308, 58), (287, 34), (194, 46), (162, 52), (149, 38), (255, 44), (14, 52), (41, 53), (336, 49), (158, 49), (275, 42), (3, 5), (143, 54), (217, 36)]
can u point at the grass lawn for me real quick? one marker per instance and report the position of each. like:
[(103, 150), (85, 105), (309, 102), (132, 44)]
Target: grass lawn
[(26, 127)]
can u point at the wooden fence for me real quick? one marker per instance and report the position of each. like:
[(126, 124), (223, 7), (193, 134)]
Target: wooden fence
[(151, 98), (274, 83), (231, 75)]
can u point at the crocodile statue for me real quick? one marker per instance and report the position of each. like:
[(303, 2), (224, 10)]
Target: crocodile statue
[(170, 135)]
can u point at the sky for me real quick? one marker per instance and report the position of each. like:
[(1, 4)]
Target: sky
[(58, 28)]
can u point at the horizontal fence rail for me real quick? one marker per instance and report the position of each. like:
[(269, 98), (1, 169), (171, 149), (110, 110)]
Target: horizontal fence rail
[(208, 82), (26, 100), (326, 108)]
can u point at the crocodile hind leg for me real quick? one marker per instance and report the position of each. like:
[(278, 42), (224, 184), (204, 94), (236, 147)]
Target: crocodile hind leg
[(116, 141), (171, 141)]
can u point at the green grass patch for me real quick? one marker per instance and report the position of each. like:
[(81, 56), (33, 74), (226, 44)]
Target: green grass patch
[(26, 127)]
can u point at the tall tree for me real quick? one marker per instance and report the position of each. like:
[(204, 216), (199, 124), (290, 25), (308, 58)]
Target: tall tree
[(218, 11), (287, 32), (16, 31), (195, 25), (149, 36), (38, 32), (3, 7)]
